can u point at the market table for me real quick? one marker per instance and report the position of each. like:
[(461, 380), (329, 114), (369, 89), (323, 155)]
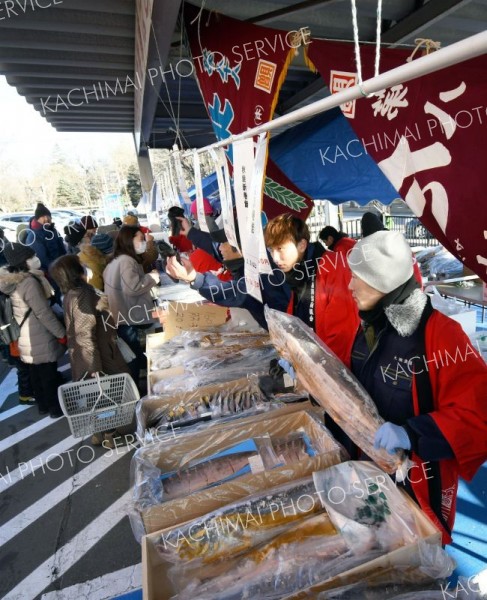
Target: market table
[(472, 296)]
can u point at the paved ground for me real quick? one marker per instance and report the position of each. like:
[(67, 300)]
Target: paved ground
[(64, 530)]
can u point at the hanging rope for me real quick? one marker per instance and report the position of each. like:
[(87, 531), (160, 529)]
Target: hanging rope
[(358, 60), (198, 18), (429, 45), (170, 109), (378, 33)]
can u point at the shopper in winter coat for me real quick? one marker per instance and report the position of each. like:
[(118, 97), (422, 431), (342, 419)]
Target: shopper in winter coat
[(318, 280), (79, 236), (129, 292), (24, 386), (91, 333), (151, 254), (44, 238), (42, 337), (335, 240), (419, 367)]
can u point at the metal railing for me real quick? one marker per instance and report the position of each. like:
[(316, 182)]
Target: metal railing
[(414, 231)]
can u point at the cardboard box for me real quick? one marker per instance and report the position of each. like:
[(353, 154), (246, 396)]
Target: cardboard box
[(184, 316), (385, 569), (148, 405), (157, 586), (169, 455)]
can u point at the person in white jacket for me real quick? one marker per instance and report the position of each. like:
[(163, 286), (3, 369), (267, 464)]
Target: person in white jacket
[(129, 292)]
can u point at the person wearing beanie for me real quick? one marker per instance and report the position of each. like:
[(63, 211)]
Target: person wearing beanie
[(103, 242), (42, 236), (42, 336), (90, 226), (335, 240), (73, 235), (41, 212), (426, 380), (371, 223)]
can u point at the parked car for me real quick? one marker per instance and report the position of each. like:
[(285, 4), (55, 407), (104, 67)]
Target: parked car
[(416, 230), (10, 222)]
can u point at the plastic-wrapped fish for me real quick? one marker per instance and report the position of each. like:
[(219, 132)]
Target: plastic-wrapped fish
[(334, 386), (209, 471), (229, 531), (283, 566)]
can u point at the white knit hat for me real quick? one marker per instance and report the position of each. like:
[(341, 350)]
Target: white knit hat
[(383, 260)]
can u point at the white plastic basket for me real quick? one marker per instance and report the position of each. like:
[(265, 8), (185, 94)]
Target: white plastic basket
[(99, 404)]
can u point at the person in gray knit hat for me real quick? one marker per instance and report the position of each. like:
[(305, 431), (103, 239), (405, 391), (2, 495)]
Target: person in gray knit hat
[(405, 354)]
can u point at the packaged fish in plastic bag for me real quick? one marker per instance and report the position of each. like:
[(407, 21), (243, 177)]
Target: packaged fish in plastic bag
[(365, 505), (334, 386)]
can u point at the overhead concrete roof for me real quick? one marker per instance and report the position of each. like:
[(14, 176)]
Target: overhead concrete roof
[(74, 59)]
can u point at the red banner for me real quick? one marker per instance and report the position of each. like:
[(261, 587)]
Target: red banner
[(240, 69), (427, 135)]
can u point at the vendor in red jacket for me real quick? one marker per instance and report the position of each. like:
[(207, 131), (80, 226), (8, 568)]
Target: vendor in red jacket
[(318, 280), (428, 382), (337, 241)]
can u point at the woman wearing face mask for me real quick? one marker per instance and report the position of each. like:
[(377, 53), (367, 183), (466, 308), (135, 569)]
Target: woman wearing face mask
[(42, 338), (128, 291)]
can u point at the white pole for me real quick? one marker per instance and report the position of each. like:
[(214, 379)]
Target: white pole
[(471, 47)]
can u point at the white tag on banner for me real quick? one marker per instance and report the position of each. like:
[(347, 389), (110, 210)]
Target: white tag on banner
[(243, 167), (199, 193), (183, 190), (255, 256), (255, 204), (220, 161)]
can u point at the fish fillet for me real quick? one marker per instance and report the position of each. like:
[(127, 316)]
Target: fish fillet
[(334, 386)]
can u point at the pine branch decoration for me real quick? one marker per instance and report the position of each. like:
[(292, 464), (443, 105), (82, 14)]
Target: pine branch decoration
[(283, 195)]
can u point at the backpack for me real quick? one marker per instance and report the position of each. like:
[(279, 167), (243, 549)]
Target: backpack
[(9, 328)]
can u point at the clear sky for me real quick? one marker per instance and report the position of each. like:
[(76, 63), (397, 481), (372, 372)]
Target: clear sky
[(27, 139)]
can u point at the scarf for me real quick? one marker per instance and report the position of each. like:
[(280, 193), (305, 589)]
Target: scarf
[(375, 319)]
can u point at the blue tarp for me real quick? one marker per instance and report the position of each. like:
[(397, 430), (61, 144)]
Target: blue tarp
[(209, 185), (326, 160)]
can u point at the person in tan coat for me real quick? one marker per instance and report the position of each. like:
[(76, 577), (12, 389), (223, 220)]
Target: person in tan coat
[(42, 336), (91, 333)]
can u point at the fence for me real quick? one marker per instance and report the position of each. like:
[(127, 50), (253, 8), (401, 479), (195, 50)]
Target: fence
[(318, 219), (414, 231)]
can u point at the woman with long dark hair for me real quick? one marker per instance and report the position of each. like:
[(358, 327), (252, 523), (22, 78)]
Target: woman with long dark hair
[(91, 333), (128, 290)]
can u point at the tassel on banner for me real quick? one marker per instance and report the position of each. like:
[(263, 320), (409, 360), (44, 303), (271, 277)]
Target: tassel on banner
[(429, 46)]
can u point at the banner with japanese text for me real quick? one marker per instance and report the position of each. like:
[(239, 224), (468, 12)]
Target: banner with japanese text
[(428, 137), (240, 68)]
